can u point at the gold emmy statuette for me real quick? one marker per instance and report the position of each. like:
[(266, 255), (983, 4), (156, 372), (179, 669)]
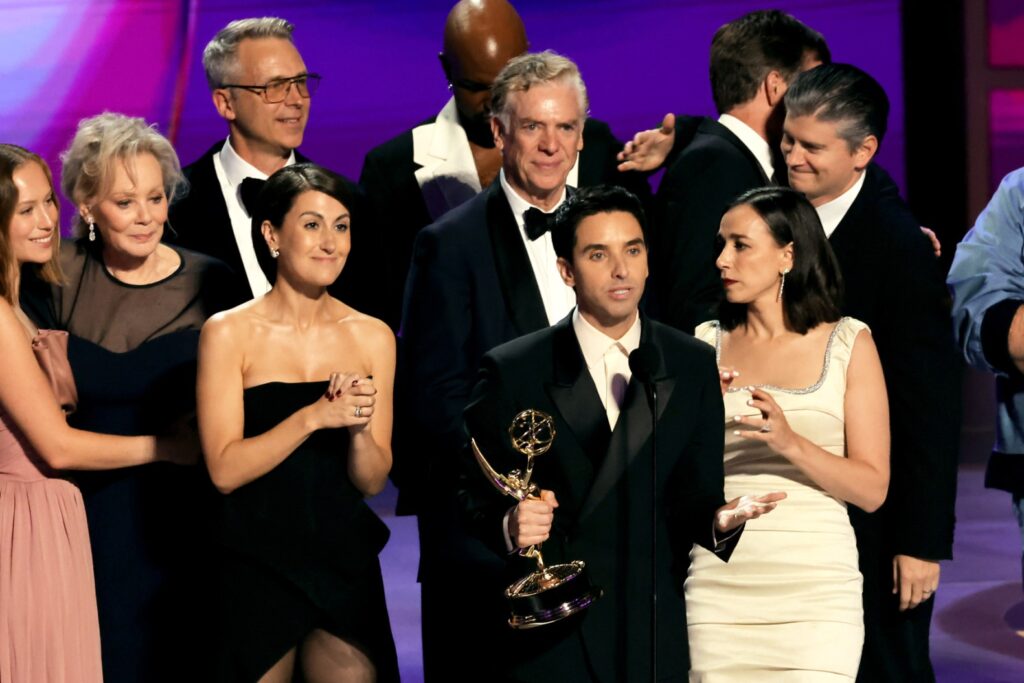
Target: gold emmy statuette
[(552, 592)]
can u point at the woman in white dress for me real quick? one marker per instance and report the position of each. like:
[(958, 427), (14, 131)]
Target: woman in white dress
[(806, 414)]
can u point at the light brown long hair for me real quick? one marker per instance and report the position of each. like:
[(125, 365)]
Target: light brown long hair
[(13, 157)]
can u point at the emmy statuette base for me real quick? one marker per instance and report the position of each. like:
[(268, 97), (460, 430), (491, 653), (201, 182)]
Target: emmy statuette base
[(549, 595)]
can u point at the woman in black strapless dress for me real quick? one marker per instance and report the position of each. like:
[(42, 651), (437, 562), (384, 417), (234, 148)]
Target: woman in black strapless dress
[(294, 405)]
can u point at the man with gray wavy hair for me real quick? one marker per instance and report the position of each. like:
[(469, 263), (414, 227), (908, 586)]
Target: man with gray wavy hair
[(260, 86), (483, 274)]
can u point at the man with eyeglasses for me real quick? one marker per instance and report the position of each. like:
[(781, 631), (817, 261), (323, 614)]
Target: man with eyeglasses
[(261, 87), (415, 178)]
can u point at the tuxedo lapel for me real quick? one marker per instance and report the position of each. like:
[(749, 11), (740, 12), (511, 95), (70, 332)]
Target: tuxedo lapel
[(632, 430), (575, 396), (447, 173), (522, 295)]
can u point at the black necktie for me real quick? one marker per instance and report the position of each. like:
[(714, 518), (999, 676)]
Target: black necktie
[(249, 191)]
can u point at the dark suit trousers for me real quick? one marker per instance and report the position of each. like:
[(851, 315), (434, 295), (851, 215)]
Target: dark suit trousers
[(463, 616), (895, 643)]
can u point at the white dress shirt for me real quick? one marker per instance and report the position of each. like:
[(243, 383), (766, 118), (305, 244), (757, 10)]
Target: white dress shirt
[(558, 297), (832, 213), (231, 170), (607, 360), (757, 145)]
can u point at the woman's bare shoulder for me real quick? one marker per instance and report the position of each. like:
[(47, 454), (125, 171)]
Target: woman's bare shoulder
[(235, 322), (365, 326)]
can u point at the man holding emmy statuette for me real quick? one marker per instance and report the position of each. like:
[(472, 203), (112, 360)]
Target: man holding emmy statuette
[(559, 423)]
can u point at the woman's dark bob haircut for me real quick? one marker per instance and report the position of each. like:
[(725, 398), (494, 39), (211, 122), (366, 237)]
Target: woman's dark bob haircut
[(277, 197), (814, 287)]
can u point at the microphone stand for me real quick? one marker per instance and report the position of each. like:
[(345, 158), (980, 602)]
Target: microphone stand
[(652, 401), (643, 362)]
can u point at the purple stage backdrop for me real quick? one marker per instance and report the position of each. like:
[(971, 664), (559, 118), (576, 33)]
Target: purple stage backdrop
[(66, 59)]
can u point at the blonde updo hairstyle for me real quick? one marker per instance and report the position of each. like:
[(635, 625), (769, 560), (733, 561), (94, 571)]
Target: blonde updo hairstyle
[(102, 142)]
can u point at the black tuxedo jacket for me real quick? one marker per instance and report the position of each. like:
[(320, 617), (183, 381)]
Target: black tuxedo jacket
[(470, 288), (399, 211), (200, 222), (893, 283), (710, 172), (602, 481)]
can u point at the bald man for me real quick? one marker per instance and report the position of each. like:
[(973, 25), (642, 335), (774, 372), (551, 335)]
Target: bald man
[(417, 177)]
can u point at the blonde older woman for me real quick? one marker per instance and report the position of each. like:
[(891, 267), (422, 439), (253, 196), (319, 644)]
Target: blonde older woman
[(133, 307), (48, 625)]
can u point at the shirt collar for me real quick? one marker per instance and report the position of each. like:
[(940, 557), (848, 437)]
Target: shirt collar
[(237, 169), (520, 205), (757, 145), (831, 213), (594, 343)]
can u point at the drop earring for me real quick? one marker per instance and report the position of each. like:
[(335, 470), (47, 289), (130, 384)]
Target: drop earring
[(92, 230), (782, 284)]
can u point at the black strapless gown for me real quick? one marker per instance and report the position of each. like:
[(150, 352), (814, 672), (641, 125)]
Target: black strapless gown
[(301, 549)]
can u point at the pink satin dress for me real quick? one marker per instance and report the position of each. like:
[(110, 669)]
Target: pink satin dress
[(49, 630)]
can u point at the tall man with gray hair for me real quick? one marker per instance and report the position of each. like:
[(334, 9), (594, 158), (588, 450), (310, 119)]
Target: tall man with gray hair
[(481, 275), (261, 87), (836, 117)]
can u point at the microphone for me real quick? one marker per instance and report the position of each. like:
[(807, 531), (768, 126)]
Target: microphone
[(643, 363)]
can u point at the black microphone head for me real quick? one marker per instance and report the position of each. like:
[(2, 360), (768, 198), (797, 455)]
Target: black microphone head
[(644, 361)]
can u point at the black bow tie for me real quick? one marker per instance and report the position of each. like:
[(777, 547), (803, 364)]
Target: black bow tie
[(249, 191), (536, 222)]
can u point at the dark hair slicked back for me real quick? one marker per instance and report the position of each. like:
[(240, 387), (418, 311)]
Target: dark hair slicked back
[(843, 94), (589, 201)]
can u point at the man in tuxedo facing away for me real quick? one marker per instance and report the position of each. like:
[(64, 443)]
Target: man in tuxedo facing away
[(835, 120), (753, 59), (260, 86), (595, 502), (415, 178), (480, 276)]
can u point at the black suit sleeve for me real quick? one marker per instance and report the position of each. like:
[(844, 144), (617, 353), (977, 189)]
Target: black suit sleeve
[(389, 233), (695, 485), (923, 383), (435, 377), (221, 289), (689, 205), (487, 418)]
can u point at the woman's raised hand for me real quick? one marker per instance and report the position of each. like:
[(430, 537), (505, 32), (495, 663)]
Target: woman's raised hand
[(771, 427), (348, 401), (726, 375)]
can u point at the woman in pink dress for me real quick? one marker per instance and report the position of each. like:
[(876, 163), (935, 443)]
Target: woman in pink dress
[(49, 632)]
